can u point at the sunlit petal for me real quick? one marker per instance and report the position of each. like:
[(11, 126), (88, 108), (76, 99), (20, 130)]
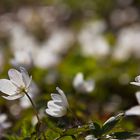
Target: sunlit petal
[(16, 77), (63, 96), (138, 96), (133, 111), (7, 87), (25, 77), (78, 80), (13, 97)]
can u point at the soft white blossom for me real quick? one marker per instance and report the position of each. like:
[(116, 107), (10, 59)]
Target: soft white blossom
[(137, 81), (22, 57), (4, 124), (81, 85), (45, 58), (90, 137), (18, 84), (136, 109), (128, 43), (58, 106), (49, 54), (92, 41)]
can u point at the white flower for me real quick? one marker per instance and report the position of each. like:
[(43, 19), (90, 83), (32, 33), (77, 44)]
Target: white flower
[(22, 57), (136, 109), (137, 81), (46, 58), (92, 41), (128, 43), (90, 137), (81, 85), (3, 123), (58, 106), (18, 84)]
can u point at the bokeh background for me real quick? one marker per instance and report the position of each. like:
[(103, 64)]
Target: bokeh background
[(56, 39)]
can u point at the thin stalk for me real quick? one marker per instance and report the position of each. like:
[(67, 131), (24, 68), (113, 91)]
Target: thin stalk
[(33, 105)]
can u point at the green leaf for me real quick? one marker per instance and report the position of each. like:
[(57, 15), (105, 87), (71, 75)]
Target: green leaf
[(111, 123), (67, 138), (124, 135), (51, 135), (53, 126), (73, 131), (97, 131)]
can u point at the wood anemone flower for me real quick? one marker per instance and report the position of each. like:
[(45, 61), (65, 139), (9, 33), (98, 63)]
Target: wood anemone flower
[(137, 81), (81, 85), (17, 86), (57, 107), (136, 109)]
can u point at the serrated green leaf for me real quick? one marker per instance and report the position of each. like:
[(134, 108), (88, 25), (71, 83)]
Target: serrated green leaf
[(111, 123)]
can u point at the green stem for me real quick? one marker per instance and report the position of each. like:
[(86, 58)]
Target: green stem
[(33, 105)]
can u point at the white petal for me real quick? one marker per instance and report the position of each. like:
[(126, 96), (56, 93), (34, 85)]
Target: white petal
[(60, 112), (135, 83), (25, 76), (63, 96), (138, 96), (60, 103), (16, 77), (6, 125), (90, 137), (56, 96), (51, 113), (89, 86), (24, 102), (133, 111), (137, 79), (13, 97), (78, 80), (7, 87), (54, 106), (3, 118)]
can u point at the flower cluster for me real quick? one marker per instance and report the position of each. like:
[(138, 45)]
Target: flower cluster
[(20, 85)]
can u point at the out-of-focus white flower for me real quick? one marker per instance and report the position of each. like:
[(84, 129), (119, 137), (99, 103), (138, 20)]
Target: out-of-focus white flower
[(60, 41), (81, 85), (22, 57), (20, 39), (92, 41), (128, 43), (18, 84), (58, 106), (46, 58), (137, 81), (49, 55), (136, 109), (90, 137), (3, 123)]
